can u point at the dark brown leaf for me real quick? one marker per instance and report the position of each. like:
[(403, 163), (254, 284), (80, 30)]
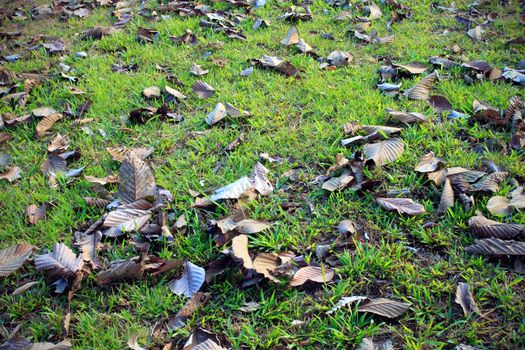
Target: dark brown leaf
[(385, 307), (61, 262), (483, 227), (136, 180)]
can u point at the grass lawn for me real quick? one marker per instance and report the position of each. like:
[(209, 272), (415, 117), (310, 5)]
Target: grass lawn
[(413, 259)]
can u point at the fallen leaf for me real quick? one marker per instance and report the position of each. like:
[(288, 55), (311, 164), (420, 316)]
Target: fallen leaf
[(346, 227), (125, 220), (384, 307), (465, 299), (249, 226), (375, 344), (344, 302), (61, 262), (13, 257), (25, 287), (197, 70), (89, 245), (136, 180), (483, 227), (202, 89), (292, 37), (121, 270), (266, 264), (421, 90), (46, 124), (384, 152), (311, 273), (152, 91), (401, 205), (240, 250), (447, 198), (496, 247), (498, 205), (35, 213), (338, 183), (217, 114), (197, 301), (260, 180), (190, 281), (412, 68), (407, 117), (234, 190), (428, 163)]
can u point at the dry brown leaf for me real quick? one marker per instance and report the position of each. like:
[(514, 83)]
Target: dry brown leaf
[(412, 68), (498, 205), (59, 144), (35, 213), (46, 124), (249, 226), (447, 198), (121, 270), (384, 152), (385, 307), (89, 245), (401, 205), (338, 183), (266, 264), (240, 250), (483, 227), (197, 301), (496, 247), (120, 154), (421, 90), (23, 288), (125, 220), (311, 273), (260, 180), (97, 202), (13, 257), (218, 113), (346, 227), (428, 163), (202, 89), (490, 183), (234, 190), (61, 262), (12, 174), (465, 299), (110, 179), (136, 180), (151, 92), (292, 37), (407, 117)]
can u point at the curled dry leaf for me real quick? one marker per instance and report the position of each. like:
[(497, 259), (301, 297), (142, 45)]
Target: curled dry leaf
[(447, 198), (136, 180), (13, 257), (496, 247), (240, 250), (175, 93), (35, 213), (428, 163), (151, 92), (421, 90), (249, 226), (384, 152), (292, 37), (412, 68), (346, 227), (218, 113), (339, 58), (61, 262), (120, 154), (234, 190), (125, 220), (190, 281), (344, 302), (47, 123), (59, 144), (202, 89), (498, 205), (97, 202), (490, 183), (121, 270), (338, 183), (260, 180), (372, 129), (483, 227), (401, 205), (266, 264), (465, 299), (311, 273), (385, 307), (89, 245), (25, 287), (407, 117)]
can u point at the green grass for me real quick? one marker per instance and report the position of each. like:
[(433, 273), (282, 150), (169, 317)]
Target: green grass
[(300, 118)]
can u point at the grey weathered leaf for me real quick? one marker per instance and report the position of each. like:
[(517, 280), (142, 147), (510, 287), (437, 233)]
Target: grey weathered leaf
[(260, 180), (121, 270), (421, 90), (136, 180), (387, 130), (89, 244), (339, 182), (125, 220), (483, 227), (498, 205), (25, 287), (407, 117), (175, 93), (490, 183), (428, 163), (197, 70), (345, 301), (152, 91), (13, 257), (202, 89), (346, 227), (375, 344), (496, 247), (190, 281), (249, 226), (36, 213), (339, 58), (61, 262), (385, 307), (12, 174), (401, 205), (234, 190), (240, 250), (292, 37), (465, 299), (384, 152), (412, 67)]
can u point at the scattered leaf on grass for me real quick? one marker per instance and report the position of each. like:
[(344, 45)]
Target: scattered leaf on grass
[(202, 89), (496, 247), (125, 220), (311, 273), (260, 180), (447, 198), (465, 299), (375, 344), (190, 281), (152, 91), (25, 287), (266, 264), (429, 163), (401, 205), (344, 302), (407, 117), (35, 213), (61, 262), (13, 257), (384, 307), (421, 90), (136, 180), (384, 152), (292, 37), (234, 190), (249, 226), (483, 227), (412, 68), (121, 270), (498, 205), (240, 250), (217, 114), (197, 301), (89, 245), (46, 124)]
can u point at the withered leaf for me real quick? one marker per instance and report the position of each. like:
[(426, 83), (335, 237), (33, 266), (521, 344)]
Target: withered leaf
[(266, 264), (121, 153), (97, 202), (401, 205), (345, 301), (125, 220), (175, 93), (136, 180), (384, 152), (13, 257), (197, 301), (240, 250), (440, 103), (35, 213), (121, 270), (249, 226), (292, 37), (190, 281), (260, 180), (43, 112), (217, 114), (59, 144), (407, 117), (346, 227), (496, 247), (311, 273), (465, 299), (490, 183), (152, 91), (412, 68), (23, 288), (421, 90), (387, 130), (89, 244), (338, 183), (109, 179), (447, 198), (146, 35), (61, 262), (498, 205), (98, 32), (202, 89), (339, 58), (234, 190), (47, 123), (483, 227), (385, 307), (428, 163), (197, 70)]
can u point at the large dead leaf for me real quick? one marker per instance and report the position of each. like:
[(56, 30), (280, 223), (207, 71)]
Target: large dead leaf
[(121, 270), (35, 213), (292, 37), (240, 250), (12, 174), (61, 262), (249, 226), (384, 152), (13, 257), (59, 144), (490, 183), (412, 68), (387, 130), (421, 90), (428, 163), (47, 123), (266, 264), (218, 113), (465, 299), (498, 205), (339, 182), (401, 205), (407, 117), (260, 180), (89, 245), (120, 154), (190, 281), (384, 307), (447, 198), (202, 89), (483, 227), (311, 273), (496, 247), (136, 180), (125, 220)]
